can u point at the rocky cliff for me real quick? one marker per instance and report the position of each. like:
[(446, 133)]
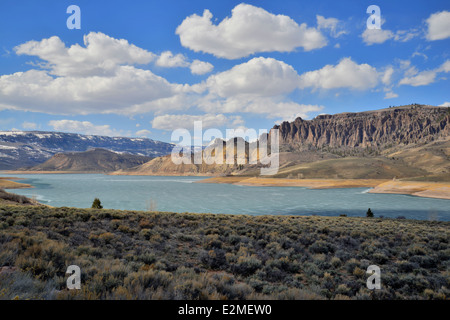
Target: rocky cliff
[(378, 129), (402, 142)]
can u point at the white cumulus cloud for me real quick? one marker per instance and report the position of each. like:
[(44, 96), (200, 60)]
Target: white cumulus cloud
[(438, 26), (346, 74), (100, 56), (376, 36), (249, 30), (170, 122), (98, 78), (331, 24), (169, 60), (379, 36), (387, 75), (35, 90), (257, 77), (84, 127), (200, 67), (414, 78)]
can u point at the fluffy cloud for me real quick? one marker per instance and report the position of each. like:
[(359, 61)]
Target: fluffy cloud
[(100, 56), (387, 76), (414, 78), (376, 36), (84, 127), (35, 90), (331, 24), (438, 26), (445, 104), (143, 133), (390, 94), (346, 74), (258, 86), (249, 30), (168, 60), (257, 77), (200, 67), (29, 125), (172, 122), (272, 107), (421, 79), (445, 67), (98, 78)]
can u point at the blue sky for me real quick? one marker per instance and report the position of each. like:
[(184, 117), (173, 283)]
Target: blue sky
[(145, 68)]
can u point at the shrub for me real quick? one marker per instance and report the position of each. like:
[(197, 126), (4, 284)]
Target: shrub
[(214, 259), (13, 197), (369, 213), (321, 246), (97, 204), (246, 265)]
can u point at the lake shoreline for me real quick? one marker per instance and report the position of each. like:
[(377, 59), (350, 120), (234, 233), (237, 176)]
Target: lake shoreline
[(435, 190), (6, 183)]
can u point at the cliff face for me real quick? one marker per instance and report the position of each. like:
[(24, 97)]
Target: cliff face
[(212, 164), (402, 142), (379, 129)]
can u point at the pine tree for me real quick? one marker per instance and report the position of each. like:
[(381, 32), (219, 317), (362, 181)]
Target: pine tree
[(97, 204), (369, 213)]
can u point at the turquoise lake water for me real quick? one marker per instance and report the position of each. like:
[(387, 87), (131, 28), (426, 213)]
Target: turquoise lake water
[(182, 194)]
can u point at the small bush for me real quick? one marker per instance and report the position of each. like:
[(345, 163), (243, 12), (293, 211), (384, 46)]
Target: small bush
[(97, 204)]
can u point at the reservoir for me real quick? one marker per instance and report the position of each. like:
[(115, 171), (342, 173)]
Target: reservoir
[(183, 194)]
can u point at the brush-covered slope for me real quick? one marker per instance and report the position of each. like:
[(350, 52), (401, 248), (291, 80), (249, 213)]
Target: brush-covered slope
[(94, 160), (19, 149)]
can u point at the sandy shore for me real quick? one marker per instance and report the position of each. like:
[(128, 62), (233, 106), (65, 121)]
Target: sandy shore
[(420, 189), (308, 183), (440, 190), (159, 174), (8, 184), (50, 172)]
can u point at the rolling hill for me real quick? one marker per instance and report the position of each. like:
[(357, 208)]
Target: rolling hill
[(19, 149), (94, 160)]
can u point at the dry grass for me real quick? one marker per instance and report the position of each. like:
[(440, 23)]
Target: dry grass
[(156, 255), (8, 184), (415, 188)]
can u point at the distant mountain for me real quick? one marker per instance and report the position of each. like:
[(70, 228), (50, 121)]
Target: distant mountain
[(19, 149), (94, 160), (405, 142)]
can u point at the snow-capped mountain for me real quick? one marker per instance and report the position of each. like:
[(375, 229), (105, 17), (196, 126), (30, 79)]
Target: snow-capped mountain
[(19, 149)]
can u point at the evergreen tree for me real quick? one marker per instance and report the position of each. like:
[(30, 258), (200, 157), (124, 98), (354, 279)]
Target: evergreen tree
[(97, 204), (369, 213)]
